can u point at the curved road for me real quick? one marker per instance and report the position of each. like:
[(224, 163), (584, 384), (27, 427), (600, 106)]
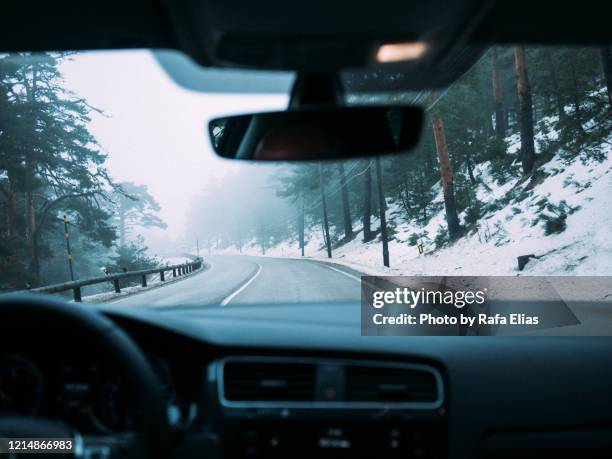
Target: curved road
[(245, 279)]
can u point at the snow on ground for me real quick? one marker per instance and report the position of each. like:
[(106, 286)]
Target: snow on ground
[(502, 235), (153, 280)]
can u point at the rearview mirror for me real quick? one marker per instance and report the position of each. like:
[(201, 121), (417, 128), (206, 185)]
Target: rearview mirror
[(317, 134)]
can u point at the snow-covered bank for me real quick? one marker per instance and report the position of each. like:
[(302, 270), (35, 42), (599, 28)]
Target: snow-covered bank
[(515, 224)]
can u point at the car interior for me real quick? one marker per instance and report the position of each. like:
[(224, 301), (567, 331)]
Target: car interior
[(208, 376)]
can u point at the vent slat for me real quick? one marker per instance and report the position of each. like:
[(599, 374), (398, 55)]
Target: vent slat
[(269, 381), (389, 384)]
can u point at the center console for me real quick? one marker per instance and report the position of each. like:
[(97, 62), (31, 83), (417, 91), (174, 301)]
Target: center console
[(287, 407)]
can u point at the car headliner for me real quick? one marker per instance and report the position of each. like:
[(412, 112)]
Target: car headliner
[(305, 35)]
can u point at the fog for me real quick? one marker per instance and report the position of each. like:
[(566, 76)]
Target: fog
[(155, 134), (239, 209)]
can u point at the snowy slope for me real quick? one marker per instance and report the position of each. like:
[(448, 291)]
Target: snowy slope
[(514, 228)]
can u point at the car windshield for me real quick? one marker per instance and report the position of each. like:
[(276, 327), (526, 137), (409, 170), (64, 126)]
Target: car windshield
[(107, 170)]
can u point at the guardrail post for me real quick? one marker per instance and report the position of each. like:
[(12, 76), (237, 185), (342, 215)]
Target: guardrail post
[(116, 285), (161, 276), (173, 272), (77, 294), (144, 280)]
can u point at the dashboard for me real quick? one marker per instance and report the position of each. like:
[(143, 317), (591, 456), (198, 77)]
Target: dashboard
[(275, 381)]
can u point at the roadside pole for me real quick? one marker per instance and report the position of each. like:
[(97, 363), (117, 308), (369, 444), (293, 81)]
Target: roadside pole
[(383, 211), (325, 221), (302, 224)]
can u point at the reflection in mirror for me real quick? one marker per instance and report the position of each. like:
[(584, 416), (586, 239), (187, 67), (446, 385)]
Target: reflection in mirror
[(316, 134)]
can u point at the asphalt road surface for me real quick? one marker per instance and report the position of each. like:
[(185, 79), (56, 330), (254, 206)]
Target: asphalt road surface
[(236, 279), (245, 279)]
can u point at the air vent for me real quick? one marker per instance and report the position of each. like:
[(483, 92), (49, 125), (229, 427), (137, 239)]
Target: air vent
[(303, 382), (269, 381), (390, 385)]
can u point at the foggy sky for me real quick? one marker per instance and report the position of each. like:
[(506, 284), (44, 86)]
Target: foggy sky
[(155, 133)]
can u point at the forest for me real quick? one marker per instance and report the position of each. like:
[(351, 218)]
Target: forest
[(503, 123), (516, 147), (55, 189)]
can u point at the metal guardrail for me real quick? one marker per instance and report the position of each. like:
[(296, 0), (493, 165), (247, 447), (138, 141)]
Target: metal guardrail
[(75, 286)]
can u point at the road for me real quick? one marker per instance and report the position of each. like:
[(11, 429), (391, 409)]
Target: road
[(247, 279), (236, 279)]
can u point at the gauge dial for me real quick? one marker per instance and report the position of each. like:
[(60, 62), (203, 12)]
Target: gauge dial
[(111, 410), (21, 386), (166, 384)]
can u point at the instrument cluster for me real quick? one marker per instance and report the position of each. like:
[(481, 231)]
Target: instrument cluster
[(89, 396)]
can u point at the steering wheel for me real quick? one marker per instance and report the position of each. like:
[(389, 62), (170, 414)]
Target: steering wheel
[(151, 438)]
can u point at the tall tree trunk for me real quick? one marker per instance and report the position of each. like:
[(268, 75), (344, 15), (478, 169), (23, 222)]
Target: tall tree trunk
[(470, 168), (325, 220), (35, 263), (555, 84), (575, 93), (525, 110), (30, 216), (367, 204), (31, 229), (383, 211), (11, 211), (606, 60), (446, 174), (31, 233), (346, 209), (500, 118)]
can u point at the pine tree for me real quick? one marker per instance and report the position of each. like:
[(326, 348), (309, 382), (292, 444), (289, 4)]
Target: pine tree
[(446, 175), (383, 213), (500, 115), (51, 161), (367, 203), (134, 206), (346, 209), (606, 61), (324, 208), (526, 111)]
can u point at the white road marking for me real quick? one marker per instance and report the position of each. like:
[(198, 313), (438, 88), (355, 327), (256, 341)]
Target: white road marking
[(345, 273), (231, 296)]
